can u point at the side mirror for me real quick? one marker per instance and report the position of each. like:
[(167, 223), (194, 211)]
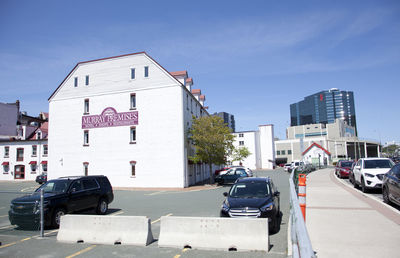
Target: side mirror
[(225, 194), (277, 194)]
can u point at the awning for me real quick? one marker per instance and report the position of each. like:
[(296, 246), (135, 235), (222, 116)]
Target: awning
[(44, 162), (32, 163), (132, 162), (5, 163)]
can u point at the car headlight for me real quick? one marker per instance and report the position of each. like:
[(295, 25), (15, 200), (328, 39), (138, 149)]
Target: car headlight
[(36, 207), (267, 207), (369, 175), (225, 206)]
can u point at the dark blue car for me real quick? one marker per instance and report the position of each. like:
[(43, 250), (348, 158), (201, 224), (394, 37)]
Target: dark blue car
[(231, 176)]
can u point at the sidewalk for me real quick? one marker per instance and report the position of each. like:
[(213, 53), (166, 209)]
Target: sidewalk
[(342, 222)]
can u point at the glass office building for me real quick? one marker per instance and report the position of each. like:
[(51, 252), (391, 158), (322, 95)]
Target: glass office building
[(324, 107), (228, 119)]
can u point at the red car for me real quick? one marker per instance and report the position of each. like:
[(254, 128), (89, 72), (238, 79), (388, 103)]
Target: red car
[(343, 168)]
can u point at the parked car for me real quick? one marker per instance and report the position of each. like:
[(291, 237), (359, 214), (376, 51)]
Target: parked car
[(61, 196), (368, 172), (295, 164), (42, 178), (231, 176), (287, 166), (391, 185), (253, 198), (342, 168), (218, 171), (248, 170), (351, 174)]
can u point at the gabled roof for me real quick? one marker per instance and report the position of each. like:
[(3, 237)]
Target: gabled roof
[(173, 74), (318, 146)]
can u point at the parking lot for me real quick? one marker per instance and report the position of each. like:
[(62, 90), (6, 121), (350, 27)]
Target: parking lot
[(196, 201)]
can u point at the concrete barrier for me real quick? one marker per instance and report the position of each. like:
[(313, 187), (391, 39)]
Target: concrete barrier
[(240, 234), (108, 230)]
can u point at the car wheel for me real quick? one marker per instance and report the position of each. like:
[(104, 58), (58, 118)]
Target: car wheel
[(102, 207), (351, 180), (363, 188), (57, 217), (385, 195), (274, 228)]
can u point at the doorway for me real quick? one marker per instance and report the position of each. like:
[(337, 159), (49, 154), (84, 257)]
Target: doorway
[(19, 172)]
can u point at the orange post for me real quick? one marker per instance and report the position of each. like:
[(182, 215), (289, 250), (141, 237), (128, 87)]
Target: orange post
[(302, 194)]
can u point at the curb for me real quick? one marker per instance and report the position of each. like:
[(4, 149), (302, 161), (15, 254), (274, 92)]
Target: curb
[(366, 195)]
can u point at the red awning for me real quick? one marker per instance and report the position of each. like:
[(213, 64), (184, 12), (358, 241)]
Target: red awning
[(132, 162), (32, 163), (44, 162), (5, 163)]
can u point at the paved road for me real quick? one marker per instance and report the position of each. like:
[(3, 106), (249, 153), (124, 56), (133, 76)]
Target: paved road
[(154, 204)]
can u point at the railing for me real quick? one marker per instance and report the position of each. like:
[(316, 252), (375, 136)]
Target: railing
[(301, 244)]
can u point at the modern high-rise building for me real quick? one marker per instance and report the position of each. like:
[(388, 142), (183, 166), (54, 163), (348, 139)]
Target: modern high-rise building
[(324, 107), (228, 119)]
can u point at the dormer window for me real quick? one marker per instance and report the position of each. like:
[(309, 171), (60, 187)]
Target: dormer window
[(133, 73), (87, 80), (76, 82), (146, 71)]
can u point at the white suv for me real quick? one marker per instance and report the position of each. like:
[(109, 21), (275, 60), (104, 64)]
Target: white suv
[(368, 172)]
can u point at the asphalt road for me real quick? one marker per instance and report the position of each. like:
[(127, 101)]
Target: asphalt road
[(17, 242)]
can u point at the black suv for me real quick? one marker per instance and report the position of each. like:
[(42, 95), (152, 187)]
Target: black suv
[(253, 198), (61, 196)]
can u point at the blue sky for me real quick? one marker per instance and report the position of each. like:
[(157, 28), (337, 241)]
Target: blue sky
[(250, 58)]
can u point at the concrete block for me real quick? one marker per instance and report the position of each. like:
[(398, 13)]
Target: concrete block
[(240, 234), (108, 230)]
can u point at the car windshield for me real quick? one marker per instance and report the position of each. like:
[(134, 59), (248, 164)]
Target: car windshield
[(378, 163), (250, 189), (55, 186), (346, 164)]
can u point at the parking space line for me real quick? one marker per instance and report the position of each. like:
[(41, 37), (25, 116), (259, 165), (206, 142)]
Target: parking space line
[(2, 216), (7, 245), (155, 193), (32, 188), (157, 220), (116, 213), (5, 227), (81, 251), (2, 208)]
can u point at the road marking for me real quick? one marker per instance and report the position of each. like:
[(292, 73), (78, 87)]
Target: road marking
[(155, 193), (22, 240), (157, 220), (81, 252), (116, 213), (177, 256), (2, 216), (2, 208), (10, 244), (5, 227), (185, 249), (29, 188)]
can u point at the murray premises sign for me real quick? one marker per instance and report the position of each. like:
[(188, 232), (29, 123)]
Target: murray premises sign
[(109, 118)]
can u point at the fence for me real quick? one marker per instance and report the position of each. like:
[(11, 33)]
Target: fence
[(301, 244)]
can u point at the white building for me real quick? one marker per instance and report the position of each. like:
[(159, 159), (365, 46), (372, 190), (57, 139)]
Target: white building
[(24, 156), (261, 146), (125, 117)]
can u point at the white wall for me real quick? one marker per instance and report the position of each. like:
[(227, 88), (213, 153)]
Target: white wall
[(249, 139), (159, 149), (27, 158)]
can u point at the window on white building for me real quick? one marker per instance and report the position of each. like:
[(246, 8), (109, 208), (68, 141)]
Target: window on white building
[(191, 105), (133, 168), (289, 152), (20, 154), (39, 135), (86, 106), (132, 73), (34, 150), (283, 152), (241, 135), (33, 167), (6, 151), (187, 102), (241, 143), (146, 71), (45, 150), (6, 168), (76, 82), (278, 152), (87, 80), (86, 138), (133, 101), (133, 135), (44, 166), (86, 168)]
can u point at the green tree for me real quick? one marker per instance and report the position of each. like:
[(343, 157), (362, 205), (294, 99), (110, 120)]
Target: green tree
[(390, 150), (212, 140), (241, 153)]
